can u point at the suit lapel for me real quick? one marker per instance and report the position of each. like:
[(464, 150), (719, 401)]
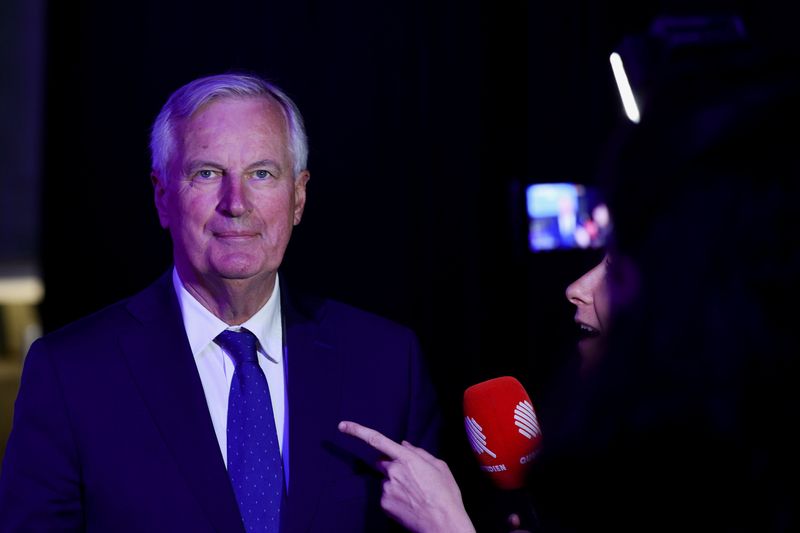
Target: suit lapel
[(314, 391), (161, 362)]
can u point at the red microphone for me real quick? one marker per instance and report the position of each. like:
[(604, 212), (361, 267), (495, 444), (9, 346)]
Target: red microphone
[(502, 429)]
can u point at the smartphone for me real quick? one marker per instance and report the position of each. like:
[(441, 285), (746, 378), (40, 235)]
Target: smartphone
[(566, 215)]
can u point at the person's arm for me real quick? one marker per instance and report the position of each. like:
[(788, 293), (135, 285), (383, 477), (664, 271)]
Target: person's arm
[(420, 491), (40, 480)]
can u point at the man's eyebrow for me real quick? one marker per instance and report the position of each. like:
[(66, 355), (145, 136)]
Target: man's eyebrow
[(264, 163), (199, 163)]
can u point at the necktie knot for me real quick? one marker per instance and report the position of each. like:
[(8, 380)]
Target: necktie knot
[(241, 345)]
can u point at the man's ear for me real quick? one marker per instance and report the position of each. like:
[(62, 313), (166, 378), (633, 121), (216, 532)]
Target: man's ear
[(300, 195), (160, 196)]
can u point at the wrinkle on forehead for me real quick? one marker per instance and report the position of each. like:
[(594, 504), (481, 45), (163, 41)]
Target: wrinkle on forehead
[(231, 130)]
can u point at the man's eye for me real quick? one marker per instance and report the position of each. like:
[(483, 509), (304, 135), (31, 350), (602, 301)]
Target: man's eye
[(262, 174), (205, 174)]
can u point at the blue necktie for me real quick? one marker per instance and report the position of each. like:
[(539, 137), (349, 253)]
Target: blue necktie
[(254, 459)]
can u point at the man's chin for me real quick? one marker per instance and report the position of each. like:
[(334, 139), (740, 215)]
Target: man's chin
[(240, 274), (240, 267)]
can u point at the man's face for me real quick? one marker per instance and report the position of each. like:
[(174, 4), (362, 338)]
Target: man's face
[(231, 199)]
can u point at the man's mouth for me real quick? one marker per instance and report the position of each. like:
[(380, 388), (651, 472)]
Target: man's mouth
[(234, 235)]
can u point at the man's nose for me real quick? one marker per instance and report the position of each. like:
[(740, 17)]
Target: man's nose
[(234, 197)]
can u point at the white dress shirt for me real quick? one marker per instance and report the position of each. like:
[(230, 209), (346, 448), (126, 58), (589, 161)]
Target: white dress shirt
[(216, 367)]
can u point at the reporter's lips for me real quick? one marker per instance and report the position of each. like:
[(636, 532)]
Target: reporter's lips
[(585, 331)]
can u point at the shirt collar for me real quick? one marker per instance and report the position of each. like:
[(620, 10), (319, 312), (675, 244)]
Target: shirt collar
[(202, 326)]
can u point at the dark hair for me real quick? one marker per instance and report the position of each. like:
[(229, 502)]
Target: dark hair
[(688, 420)]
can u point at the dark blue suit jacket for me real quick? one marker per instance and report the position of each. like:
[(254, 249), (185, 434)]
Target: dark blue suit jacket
[(112, 431)]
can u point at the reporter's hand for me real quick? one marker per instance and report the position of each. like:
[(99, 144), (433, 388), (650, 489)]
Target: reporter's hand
[(419, 490), (514, 522)]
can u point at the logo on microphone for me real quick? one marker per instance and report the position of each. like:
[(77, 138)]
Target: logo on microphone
[(476, 437), (525, 420)]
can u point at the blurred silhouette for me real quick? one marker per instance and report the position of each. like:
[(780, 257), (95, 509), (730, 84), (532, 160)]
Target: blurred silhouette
[(686, 422)]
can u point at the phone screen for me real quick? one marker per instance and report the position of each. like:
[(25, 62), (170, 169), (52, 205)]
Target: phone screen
[(565, 215)]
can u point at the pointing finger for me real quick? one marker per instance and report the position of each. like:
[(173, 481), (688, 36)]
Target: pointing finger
[(374, 438)]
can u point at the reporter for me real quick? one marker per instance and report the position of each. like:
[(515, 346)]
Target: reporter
[(686, 421)]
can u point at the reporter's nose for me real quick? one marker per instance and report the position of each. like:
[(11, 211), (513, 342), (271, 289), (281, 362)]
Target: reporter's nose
[(582, 290), (234, 200), (579, 292)]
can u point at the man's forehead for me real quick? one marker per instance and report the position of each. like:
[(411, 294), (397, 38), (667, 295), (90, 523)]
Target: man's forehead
[(225, 105), (225, 113)]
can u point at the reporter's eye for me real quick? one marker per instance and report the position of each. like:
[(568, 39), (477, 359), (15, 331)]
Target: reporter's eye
[(262, 174)]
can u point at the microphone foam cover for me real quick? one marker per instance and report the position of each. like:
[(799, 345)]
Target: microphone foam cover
[(502, 429)]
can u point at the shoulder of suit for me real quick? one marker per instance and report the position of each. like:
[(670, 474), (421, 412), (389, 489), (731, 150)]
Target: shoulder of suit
[(103, 323)]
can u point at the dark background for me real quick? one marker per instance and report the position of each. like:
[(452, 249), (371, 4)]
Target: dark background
[(426, 119)]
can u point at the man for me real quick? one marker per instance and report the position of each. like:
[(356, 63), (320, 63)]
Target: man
[(127, 419)]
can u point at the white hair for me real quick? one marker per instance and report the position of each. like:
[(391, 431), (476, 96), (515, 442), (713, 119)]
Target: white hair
[(184, 102)]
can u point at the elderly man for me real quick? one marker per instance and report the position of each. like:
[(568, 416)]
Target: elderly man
[(210, 400)]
